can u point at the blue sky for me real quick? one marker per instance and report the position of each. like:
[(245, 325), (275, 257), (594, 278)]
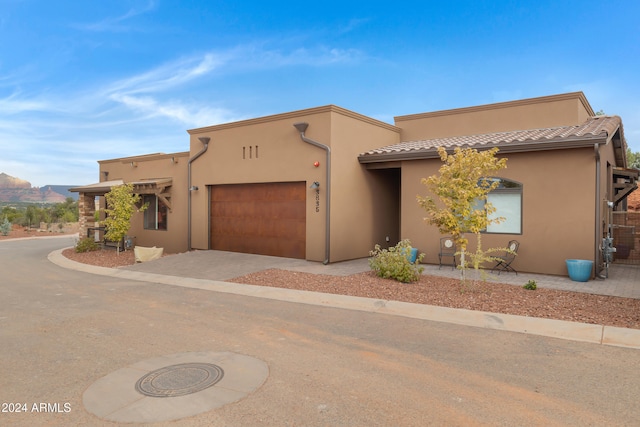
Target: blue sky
[(82, 81)]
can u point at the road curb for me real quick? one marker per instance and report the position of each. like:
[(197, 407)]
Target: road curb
[(574, 331)]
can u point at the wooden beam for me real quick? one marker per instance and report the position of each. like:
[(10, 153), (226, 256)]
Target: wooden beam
[(165, 200), (622, 193)]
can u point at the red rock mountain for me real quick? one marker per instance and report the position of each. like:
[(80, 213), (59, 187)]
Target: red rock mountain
[(18, 190), (7, 181)]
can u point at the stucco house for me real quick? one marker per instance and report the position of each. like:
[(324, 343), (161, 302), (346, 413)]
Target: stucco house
[(326, 184)]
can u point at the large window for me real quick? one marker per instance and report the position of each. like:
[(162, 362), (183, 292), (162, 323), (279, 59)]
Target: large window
[(155, 216), (507, 199)]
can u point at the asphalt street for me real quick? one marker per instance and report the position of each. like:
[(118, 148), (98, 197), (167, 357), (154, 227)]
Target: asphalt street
[(61, 331)]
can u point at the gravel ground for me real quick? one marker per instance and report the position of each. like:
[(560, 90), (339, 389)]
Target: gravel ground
[(21, 232), (433, 290)]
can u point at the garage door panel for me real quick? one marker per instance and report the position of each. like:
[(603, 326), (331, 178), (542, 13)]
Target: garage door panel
[(253, 209), (289, 229), (265, 218), (283, 248), (234, 209), (281, 191)]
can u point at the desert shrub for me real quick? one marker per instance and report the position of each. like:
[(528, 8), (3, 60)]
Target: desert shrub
[(393, 263), (5, 227), (531, 285), (86, 244)]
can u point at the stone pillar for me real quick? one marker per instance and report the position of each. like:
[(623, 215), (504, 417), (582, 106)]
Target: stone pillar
[(86, 209)]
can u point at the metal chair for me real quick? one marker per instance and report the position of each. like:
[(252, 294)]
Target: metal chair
[(447, 249), (503, 262)]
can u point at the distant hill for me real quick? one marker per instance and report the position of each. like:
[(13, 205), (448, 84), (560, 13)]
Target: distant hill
[(7, 181), (14, 189), (62, 189)]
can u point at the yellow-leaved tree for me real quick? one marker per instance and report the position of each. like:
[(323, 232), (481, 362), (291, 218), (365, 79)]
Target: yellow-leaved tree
[(121, 204), (461, 190)]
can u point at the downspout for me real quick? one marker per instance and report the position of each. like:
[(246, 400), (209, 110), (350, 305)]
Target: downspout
[(598, 236), (302, 127), (205, 141)]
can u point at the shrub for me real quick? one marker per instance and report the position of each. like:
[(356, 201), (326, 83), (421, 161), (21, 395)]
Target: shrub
[(5, 227), (531, 285), (87, 244), (393, 263)]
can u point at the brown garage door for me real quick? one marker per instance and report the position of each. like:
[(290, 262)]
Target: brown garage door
[(266, 219)]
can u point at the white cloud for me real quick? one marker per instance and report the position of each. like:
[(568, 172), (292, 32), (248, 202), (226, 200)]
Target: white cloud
[(167, 76), (146, 93), (13, 104), (117, 24), (256, 57), (352, 25), (191, 116)]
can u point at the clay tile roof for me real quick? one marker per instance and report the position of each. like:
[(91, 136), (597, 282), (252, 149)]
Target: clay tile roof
[(595, 129)]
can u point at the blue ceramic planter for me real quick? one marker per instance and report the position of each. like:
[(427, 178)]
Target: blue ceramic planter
[(412, 254), (579, 269)]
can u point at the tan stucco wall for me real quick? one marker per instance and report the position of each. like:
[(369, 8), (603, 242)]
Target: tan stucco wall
[(558, 209), (284, 157), (559, 110), (364, 205), (174, 239)]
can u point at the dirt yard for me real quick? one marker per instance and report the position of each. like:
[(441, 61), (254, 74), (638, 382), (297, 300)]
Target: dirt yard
[(20, 232)]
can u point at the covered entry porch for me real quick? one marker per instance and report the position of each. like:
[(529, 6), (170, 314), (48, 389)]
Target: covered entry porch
[(91, 198)]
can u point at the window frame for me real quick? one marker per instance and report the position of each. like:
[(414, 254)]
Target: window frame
[(516, 189), (156, 207)]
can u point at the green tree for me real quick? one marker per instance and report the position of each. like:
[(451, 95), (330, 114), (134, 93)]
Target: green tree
[(462, 184), (121, 205), (69, 216), (11, 213), (5, 226), (633, 159), (30, 216), (65, 212)]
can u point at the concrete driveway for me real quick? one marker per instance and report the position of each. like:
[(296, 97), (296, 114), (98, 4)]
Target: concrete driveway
[(208, 270)]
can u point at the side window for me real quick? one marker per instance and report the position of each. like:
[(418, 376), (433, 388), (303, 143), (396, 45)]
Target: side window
[(155, 216), (507, 199)]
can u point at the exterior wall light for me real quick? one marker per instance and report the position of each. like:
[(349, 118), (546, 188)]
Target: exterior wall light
[(193, 188)]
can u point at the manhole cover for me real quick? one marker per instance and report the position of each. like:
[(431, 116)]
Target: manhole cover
[(179, 380)]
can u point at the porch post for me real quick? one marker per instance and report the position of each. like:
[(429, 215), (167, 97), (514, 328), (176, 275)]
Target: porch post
[(86, 210)]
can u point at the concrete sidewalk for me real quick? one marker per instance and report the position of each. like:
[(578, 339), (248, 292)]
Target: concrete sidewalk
[(207, 270), (623, 281)]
